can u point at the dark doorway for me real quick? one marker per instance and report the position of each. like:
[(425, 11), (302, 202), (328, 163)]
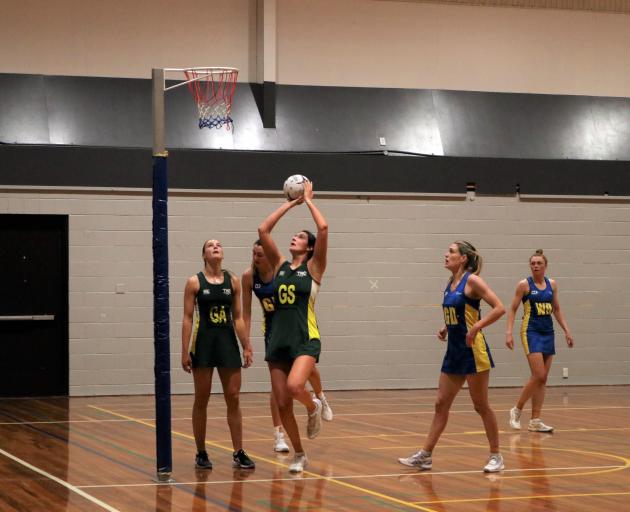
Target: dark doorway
[(34, 305)]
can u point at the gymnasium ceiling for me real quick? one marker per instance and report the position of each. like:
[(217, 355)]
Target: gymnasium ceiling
[(611, 6)]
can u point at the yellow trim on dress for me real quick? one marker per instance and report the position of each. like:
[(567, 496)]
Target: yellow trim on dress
[(193, 346), (527, 313), (479, 348), (313, 331)]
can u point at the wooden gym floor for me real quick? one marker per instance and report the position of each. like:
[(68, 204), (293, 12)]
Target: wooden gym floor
[(94, 454)]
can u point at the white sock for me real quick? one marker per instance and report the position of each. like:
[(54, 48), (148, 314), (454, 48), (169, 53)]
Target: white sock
[(277, 430)]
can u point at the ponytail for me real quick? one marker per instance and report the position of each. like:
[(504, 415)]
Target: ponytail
[(475, 261)]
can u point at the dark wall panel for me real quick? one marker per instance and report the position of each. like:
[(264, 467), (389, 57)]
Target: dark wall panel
[(23, 112), (62, 166), (533, 125), (361, 173), (99, 111), (116, 112), (352, 119)]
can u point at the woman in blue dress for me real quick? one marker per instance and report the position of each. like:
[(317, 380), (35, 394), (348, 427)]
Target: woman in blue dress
[(468, 357), (539, 296)]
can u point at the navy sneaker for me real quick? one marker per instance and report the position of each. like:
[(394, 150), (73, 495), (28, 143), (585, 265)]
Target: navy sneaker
[(242, 460), (202, 461)]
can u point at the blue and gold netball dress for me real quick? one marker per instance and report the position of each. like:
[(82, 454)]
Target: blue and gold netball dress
[(460, 313), (264, 293), (537, 325)]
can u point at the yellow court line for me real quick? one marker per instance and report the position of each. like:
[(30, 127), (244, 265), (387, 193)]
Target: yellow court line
[(625, 461), (317, 477), (531, 497), (276, 463), (583, 452), (477, 432)]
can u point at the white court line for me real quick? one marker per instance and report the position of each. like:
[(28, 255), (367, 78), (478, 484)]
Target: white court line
[(559, 391), (65, 484), (68, 421), (337, 415), (346, 477)]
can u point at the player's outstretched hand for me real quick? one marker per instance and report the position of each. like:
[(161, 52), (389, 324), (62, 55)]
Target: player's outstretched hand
[(308, 191)]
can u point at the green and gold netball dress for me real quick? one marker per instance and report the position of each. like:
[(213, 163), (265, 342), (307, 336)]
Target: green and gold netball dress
[(214, 343), (294, 329)]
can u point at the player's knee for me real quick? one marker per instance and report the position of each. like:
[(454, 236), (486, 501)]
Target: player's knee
[(540, 378), (232, 400), (441, 405), (201, 401), (481, 408), (295, 389), (285, 404)]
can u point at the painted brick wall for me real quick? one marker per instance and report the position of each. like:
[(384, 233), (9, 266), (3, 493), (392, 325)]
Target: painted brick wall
[(379, 305)]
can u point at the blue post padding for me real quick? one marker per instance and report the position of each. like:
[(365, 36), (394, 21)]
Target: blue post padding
[(161, 336)]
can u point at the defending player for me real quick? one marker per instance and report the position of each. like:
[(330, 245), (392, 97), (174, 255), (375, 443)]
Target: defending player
[(467, 356), (539, 295)]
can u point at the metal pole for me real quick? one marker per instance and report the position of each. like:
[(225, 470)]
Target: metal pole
[(161, 334), (159, 148)]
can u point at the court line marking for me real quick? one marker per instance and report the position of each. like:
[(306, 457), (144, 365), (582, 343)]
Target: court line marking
[(530, 497), (497, 408), (261, 439), (499, 401), (584, 452), (343, 405), (276, 463), (341, 477), (625, 460), (550, 395), (337, 415), (61, 482)]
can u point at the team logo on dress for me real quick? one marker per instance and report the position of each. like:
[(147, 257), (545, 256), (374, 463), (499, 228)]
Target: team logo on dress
[(257, 286), (534, 292), (206, 292), (281, 273), (301, 273), (227, 291)]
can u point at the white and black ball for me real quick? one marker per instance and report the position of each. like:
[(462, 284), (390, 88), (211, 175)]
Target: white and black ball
[(294, 186)]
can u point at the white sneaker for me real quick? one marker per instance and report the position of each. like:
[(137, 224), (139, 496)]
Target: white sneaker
[(280, 445), (515, 418), (419, 460), (495, 464), (314, 424), (536, 425), (327, 414), (298, 463)]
